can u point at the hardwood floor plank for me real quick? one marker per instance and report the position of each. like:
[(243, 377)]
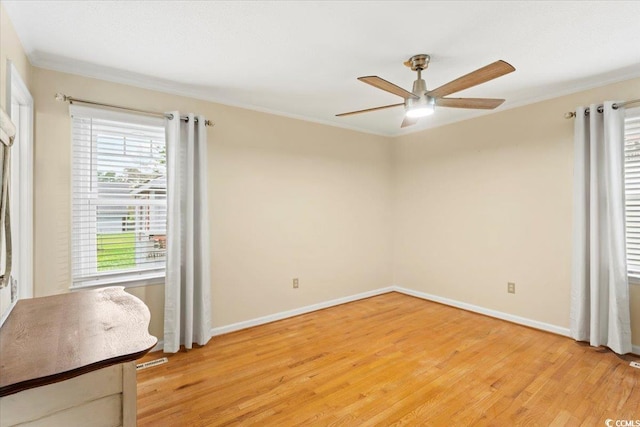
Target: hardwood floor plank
[(389, 360)]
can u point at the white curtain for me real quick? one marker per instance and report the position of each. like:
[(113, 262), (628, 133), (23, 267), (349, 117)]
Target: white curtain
[(187, 312), (600, 286)]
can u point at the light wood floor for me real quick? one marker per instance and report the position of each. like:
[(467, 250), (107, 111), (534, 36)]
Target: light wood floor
[(389, 360)]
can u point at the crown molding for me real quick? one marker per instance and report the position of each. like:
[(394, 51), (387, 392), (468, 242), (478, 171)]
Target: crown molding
[(204, 93)]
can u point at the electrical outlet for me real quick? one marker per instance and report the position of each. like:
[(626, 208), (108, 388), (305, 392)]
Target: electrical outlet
[(511, 287), (635, 364), (296, 284)]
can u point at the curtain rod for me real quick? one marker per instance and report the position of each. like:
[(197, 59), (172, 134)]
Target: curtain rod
[(64, 98), (572, 114)]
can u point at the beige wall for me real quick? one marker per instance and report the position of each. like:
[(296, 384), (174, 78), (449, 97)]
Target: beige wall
[(287, 199), (488, 201), (475, 204)]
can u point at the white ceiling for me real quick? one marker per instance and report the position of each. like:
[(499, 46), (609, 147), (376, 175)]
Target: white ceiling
[(301, 58)]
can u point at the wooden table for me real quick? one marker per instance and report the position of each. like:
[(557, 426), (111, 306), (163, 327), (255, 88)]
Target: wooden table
[(70, 359)]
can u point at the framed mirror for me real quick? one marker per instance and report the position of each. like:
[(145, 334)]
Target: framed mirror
[(8, 293)]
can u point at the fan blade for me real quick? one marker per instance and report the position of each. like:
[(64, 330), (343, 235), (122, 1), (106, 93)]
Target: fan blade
[(376, 81), (481, 75), (479, 103), (369, 109), (409, 121)]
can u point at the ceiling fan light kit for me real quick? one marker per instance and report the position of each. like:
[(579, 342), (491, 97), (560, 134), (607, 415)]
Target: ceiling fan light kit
[(421, 107), (421, 102)]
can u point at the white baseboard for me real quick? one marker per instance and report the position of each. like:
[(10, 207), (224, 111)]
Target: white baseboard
[(296, 311), (285, 314), (453, 303), (635, 349), (486, 311)]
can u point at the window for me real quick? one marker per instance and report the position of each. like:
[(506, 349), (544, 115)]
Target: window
[(119, 204), (632, 191)]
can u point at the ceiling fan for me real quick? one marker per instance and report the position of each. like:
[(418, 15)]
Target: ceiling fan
[(421, 102)]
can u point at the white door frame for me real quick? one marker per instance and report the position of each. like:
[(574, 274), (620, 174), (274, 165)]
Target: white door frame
[(20, 109)]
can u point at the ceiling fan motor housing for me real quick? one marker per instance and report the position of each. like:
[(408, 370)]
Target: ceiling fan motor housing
[(419, 87)]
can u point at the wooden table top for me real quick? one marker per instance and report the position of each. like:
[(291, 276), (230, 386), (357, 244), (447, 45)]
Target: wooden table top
[(50, 339)]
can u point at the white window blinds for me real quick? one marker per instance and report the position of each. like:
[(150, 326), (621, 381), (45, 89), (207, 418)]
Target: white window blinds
[(119, 197), (632, 190)]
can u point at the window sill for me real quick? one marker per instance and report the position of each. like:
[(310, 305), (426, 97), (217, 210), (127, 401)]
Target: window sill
[(128, 282)]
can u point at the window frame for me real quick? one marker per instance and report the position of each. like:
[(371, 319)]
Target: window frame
[(634, 279), (128, 279)]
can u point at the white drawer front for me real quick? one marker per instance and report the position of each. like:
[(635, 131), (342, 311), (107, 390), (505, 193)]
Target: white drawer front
[(38, 403)]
